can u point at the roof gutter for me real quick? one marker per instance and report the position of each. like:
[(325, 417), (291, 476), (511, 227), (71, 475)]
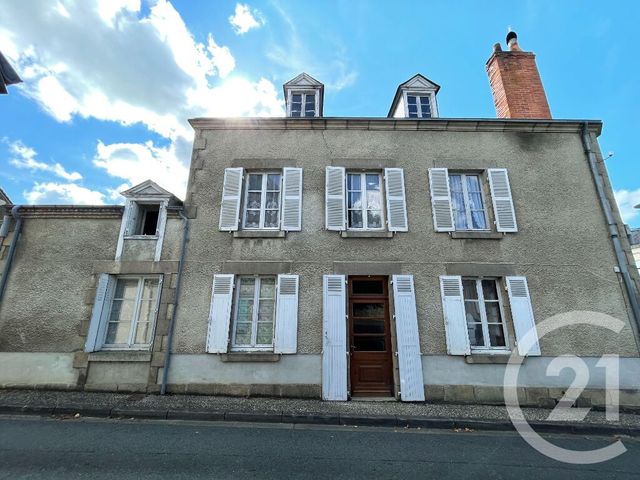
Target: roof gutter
[(612, 226), (12, 248)]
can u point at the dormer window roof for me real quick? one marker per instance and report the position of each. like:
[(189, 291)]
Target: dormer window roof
[(415, 98), (304, 96)]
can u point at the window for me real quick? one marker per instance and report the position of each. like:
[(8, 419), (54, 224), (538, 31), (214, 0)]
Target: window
[(262, 201), (132, 314), (303, 104), (483, 312), (418, 106), (364, 201), (466, 198), (254, 313), (148, 220)]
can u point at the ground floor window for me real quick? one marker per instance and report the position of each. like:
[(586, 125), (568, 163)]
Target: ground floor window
[(254, 313), (132, 313), (483, 310)]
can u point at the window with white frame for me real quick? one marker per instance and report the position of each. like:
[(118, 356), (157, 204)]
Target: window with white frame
[(262, 200), (132, 314), (418, 106), (303, 104), (468, 207), (254, 313), (364, 201), (483, 312)]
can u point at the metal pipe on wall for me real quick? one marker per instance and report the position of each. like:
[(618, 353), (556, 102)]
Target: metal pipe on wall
[(12, 248)]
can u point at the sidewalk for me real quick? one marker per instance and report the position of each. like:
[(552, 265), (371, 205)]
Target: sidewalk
[(277, 410)]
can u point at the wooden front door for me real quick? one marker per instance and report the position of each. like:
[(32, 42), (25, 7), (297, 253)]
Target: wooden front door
[(370, 337)]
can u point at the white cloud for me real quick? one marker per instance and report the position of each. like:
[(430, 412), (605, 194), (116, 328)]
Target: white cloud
[(245, 18), (112, 61), (52, 193), (627, 200), (24, 157)]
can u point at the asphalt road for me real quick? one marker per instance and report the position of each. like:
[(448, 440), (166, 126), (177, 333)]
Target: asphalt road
[(42, 448)]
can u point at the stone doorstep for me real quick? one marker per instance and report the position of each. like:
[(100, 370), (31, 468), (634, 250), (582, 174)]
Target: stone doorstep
[(393, 421)]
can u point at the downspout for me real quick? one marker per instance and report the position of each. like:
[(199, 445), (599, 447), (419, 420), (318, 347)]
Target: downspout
[(611, 225), (167, 358), (12, 249)]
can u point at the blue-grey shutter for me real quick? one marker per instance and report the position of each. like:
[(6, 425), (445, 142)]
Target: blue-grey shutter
[(101, 305), (220, 313), (409, 357), (334, 343), (396, 200), (524, 324), (455, 322), (502, 200), (231, 199), (292, 200), (286, 334), (335, 203)]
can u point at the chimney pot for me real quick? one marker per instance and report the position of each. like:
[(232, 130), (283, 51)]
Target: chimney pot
[(512, 41)]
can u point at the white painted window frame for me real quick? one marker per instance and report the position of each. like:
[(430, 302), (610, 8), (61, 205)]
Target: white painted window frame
[(483, 317), (160, 226), (467, 201), (417, 93), (254, 347), (363, 196), (263, 198), (130, 345), (304, 92)]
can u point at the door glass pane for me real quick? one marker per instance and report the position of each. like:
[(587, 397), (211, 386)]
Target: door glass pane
[(496, 335), (368, 326), (369, 344), (367, 287), (368, 309)]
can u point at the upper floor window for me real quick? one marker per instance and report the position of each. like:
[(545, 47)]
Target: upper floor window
[(418, 106), (262, 200), (457, 200), (303, 104), (468, 206), (364, 201), (146, 222)]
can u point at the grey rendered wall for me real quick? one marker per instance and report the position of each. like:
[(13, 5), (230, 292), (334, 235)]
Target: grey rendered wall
[(50, 289), (562, 245)]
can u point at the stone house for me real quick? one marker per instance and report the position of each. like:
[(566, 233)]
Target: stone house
[(408, 257)]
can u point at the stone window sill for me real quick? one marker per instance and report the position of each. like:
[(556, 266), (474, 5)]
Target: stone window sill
[(141, 237), (477, 235), (352, 234), (250, 357), (259, 234), (498, 357), (119, 356)]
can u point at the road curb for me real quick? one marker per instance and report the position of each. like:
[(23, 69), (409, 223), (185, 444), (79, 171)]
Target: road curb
[(321, 419)]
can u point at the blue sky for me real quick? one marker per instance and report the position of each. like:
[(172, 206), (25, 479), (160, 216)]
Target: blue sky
[(109, 84)]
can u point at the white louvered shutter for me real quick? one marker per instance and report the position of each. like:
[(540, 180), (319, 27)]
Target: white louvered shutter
[(220, 313), (502, 200), (441, 200), (104, 293), (231, 198), (286, 335), (455, 322), (522, 315), (292, 200), (334, 339), (396, 200), (131, 213), (409, 358), (335, 205)]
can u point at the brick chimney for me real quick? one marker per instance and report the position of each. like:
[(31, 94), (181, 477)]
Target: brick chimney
[(515, 82)]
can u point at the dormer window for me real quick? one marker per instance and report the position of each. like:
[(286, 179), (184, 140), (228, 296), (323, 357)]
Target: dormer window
[(418, 106), (147, 221), (415, 98), (304, 96)]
